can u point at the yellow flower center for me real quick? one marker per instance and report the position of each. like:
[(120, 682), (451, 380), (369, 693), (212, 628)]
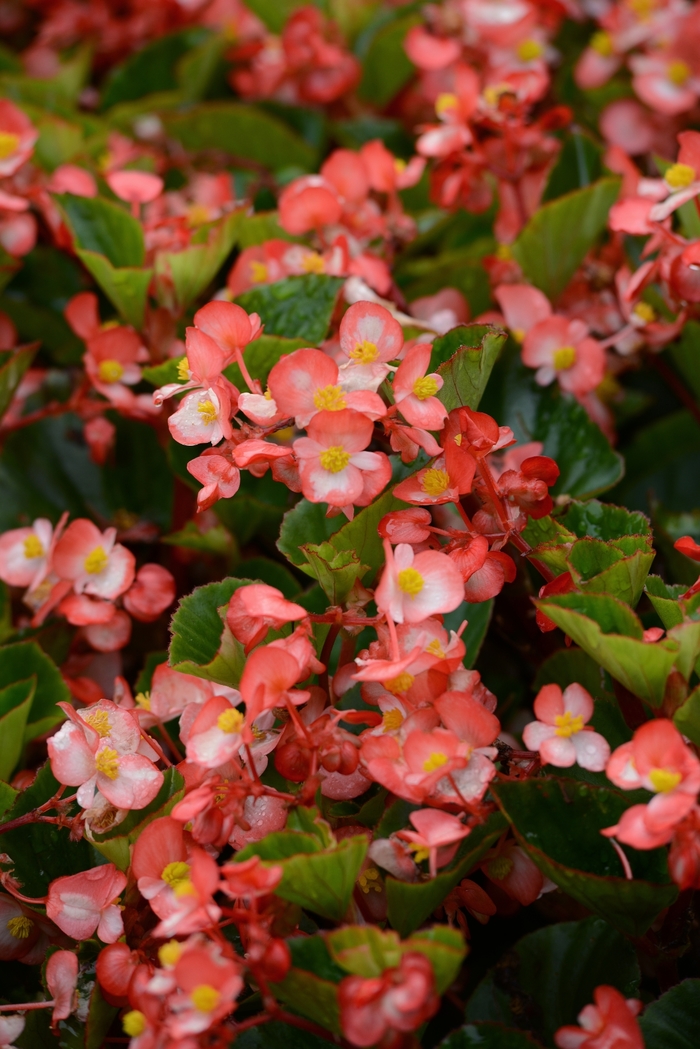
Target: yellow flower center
[(183, 369), (334, 459), (20, 927), (602, 43), (435, 649), (258, 272), (107, 762), (642, 8), (329, 399), (400, 683), (313, 263), (364, 353), (446, 102), (230, 721), (425, 387), (369, 881), (99, 720), (436, 760), (567, 724), (143, 700), (169, 953), (504, 252), (410, 581), (645, 312), (518, 334), (197, 215), (529, 50), (420, 852), (175, 873), (208, 411), (110, 371), (392, 720), (257, 732), (8, 144), (96, 561), (678, 176), (33, 547), (499, 868), (205, 998), (494, 93), (435, 482), (563, 358), (678, 72), (134, 1023), (663, 780)]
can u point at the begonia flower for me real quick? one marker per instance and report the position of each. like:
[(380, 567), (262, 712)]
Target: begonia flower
[(333, 461), (85, 903), (401, 999), (151, 592), (611, 1022), (62, 980), (11, 1027), (17, 138), (435, 838), (414, 586), (563, 350), (257, 608), (24, 553), (369, 338), (560, 733), (92, 561), (306, 382), (414, 391)]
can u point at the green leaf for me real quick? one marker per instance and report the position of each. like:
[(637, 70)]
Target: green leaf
[(15, 704), (595, 622), (58, 142), (464, 358), (410, 903), (278, 1035), (672, 1021), (151, 69), (603, 520), (126, 287), (7, 797), (386, 66), (274, 13), (558, 822), (99, 1020), (241, 131), (661, 465), (261, 356), (665, 601), (182, 276), (297, 307), (601, 568), (306, 521), (552, 975), (104, 228), (445, 949), (554, 242), (687, 717), (13, 365), (578, 164), (115, 846), (8, 267), (478, 616), (201, 642), (310, 986), (684, 354), (488, 1036), (25, 659)]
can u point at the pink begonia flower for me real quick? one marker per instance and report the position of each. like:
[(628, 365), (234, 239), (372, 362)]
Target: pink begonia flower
[(388, 174), (414, 391), (92, 561), (306, 382), (193, 906), (257, 608), (152, 591), (24, 934), (309, 203), (83, 315), (476, 728), (110, 636), (560, 733), (436, 837), (401, 999), (484, 571), (160, 864), (664, 82), (369, 337), (523, 307), (203, 417), (111, 362), (443, 311), (134, 187), (24, 554), (85, 903), (100, 436), (414, 586), (681, 178), (217, 734), (201, 367), (232, 329), (347, 172), (17, 138), (658, 760), (430, 52), (173, 692), (627, 124), (221, 479), (562, 349), (11, 1027), (268, 681), (208, 986), (598, 62), (62, 980), (69, 178), (413, 769), (249, 879), (609, 1024), (98, 749), (333, 463), (80, 610), (18, 233)]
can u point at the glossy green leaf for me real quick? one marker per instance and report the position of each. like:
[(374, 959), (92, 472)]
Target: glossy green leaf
[(601, 568), (241, 131), (305, 522), (115, 846), (151, 69), (488, 1036), (684, 354), (13, 365), (310, 987), (182, 276), (478, 617), (640, 667), (58, 143), (386, 66), (687, 636), (365, 950), (672, 1021), (15, 705), (554, 242), (410, 903), (665, 600), (261, 356), (558, 822), (464, 358), (104, 229), (687, 717), (201, 642), (99, 1020), (20, 661), (7, 797), (661, 465), (297, 307), (8, 267), (603, 520), (274, 13), (552, 975), (578, 164), (277, 1035), (126, 287)]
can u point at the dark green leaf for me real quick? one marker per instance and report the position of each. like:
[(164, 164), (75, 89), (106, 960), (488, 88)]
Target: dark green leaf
[(464, 358), (12, 369), (578, 164), (20, 661), (104, 228), (386, 66), (488, 1036), (261, 356), (15, 704), (182, 276), (661, 465), (126, 287), (687, 717), (151, 69), (201, 642), (297, 307), (684, 354), (672, 1021), (274, 13)]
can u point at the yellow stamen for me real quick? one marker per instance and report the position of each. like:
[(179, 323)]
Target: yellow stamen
[(169, 953), (33, 547), (446, 102), (8, 144), (567, 724), (175, 873), (134, 1023), (364, 353), (642, 8), (678, 72), (20, 927), (197, 215), (645, 312), (435, 649), (258, 272), (110, 371), (183, 369), (494, 92), (436, 760), (99, 720), (313, 263), (504, 252), (205, 998), (400, 683), (208, 411), (410, 581), (499, 868), (143, 700), (602, 43), (96, 561), (107, 762), (392, 720), (663, 780), (425, 387), (435, 482), (518, 334), (564, 358), (678, 176), (369, 881), (329, 399), (334, 459), (230, 721), (528, 50), (420, 852)]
